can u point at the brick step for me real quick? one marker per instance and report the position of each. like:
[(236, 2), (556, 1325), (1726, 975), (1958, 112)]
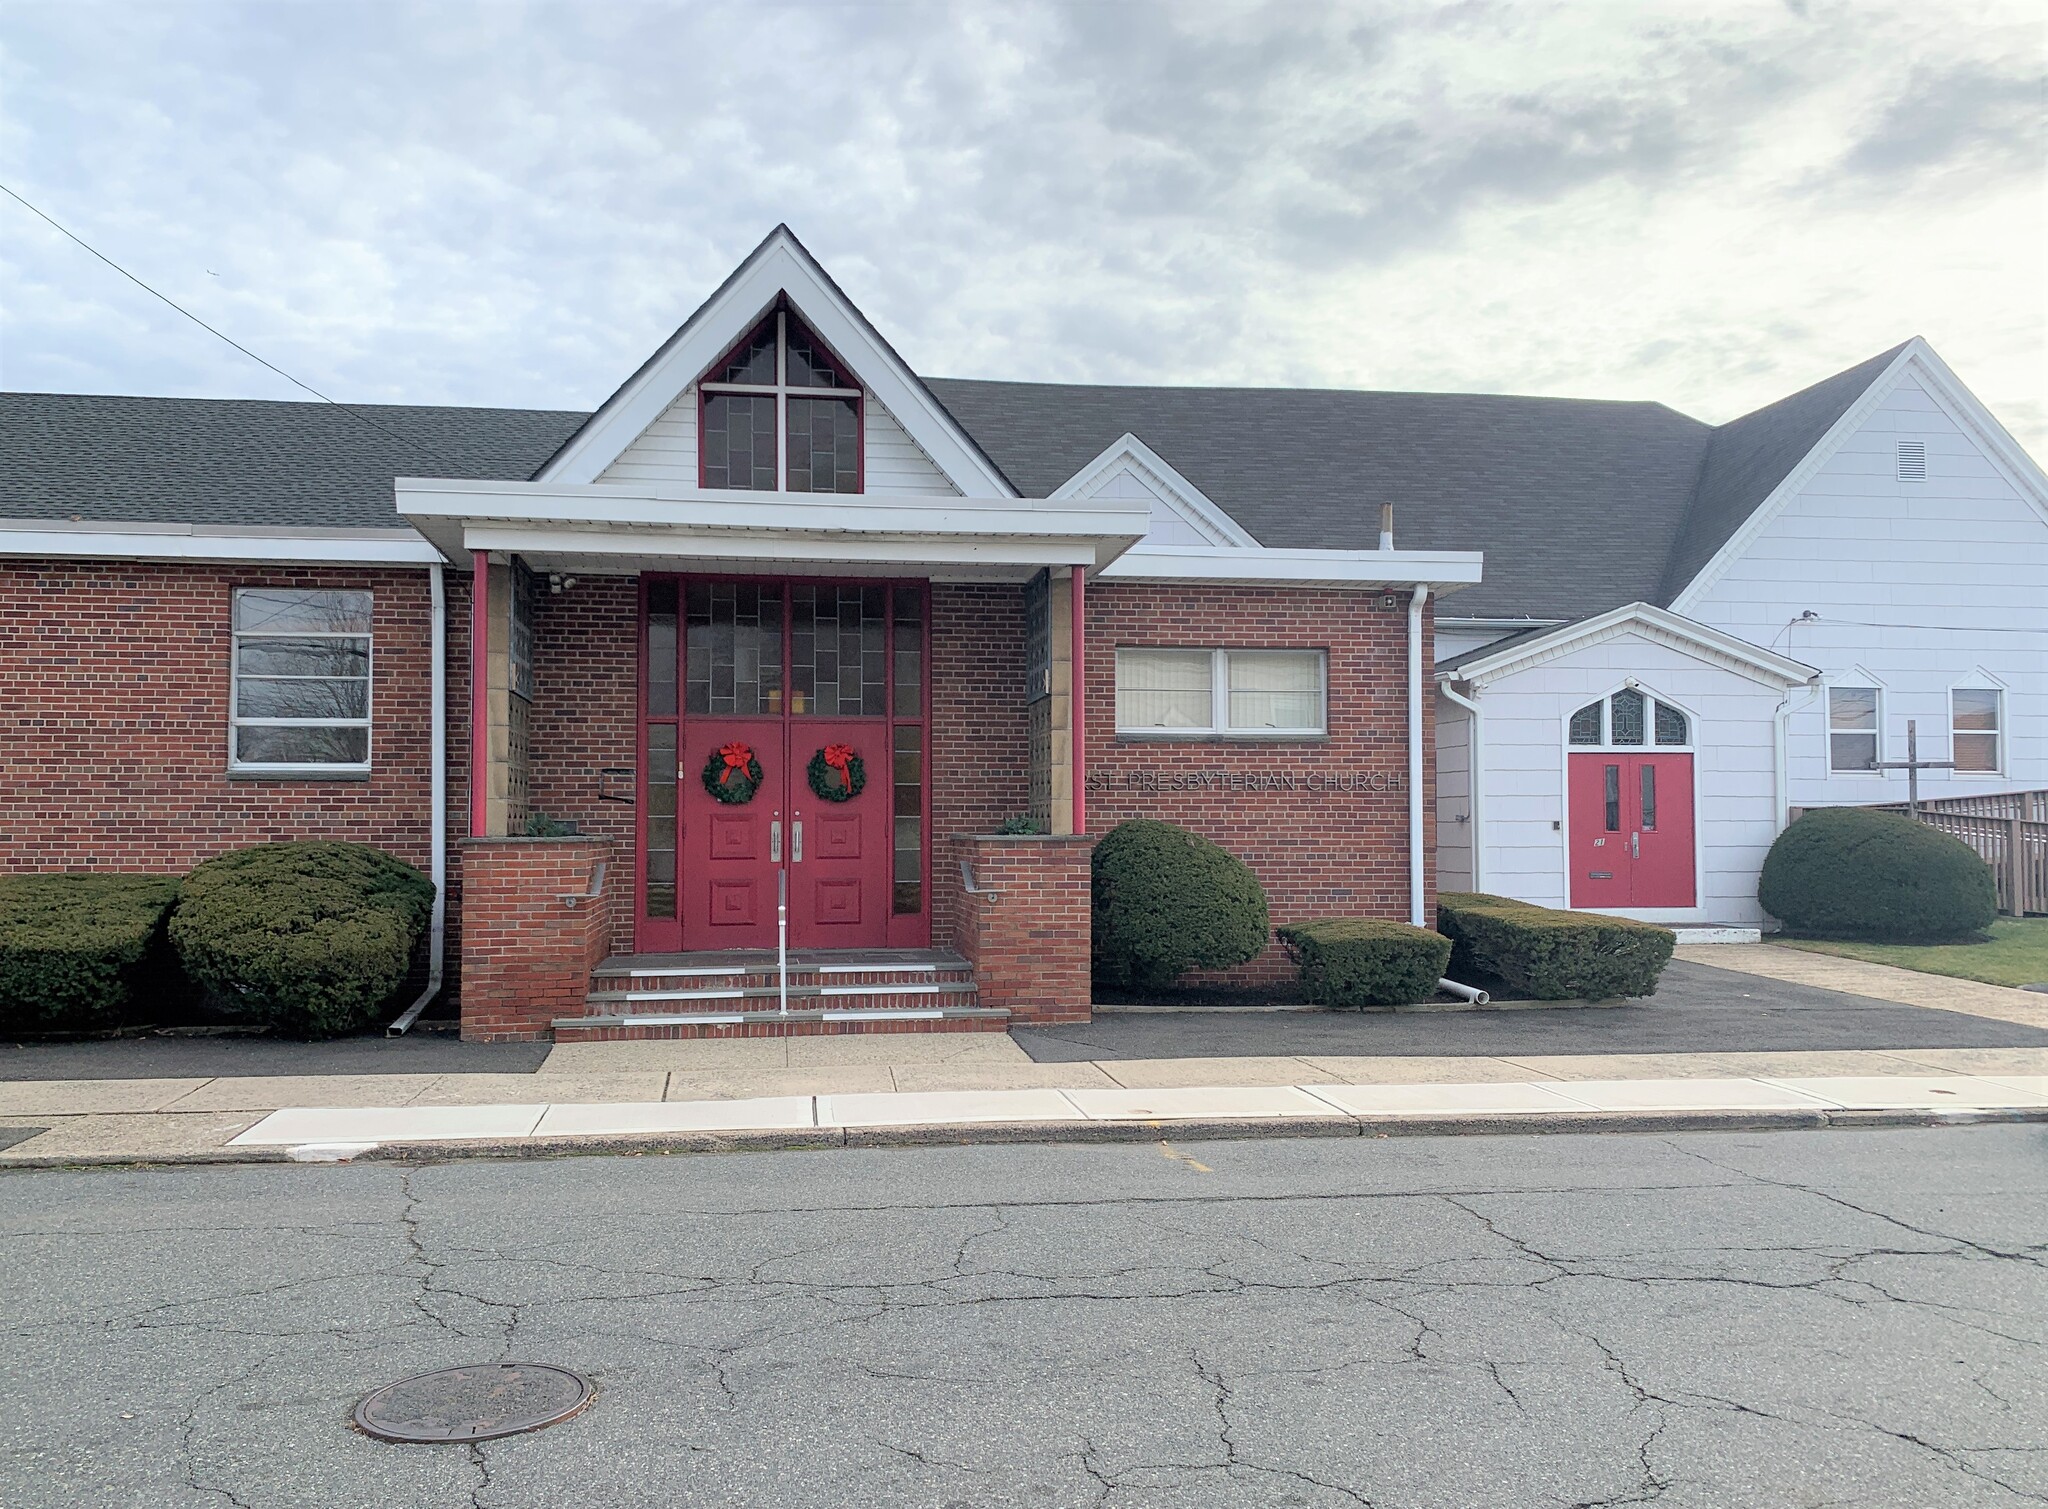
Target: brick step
[(919, 996), (678, 984), (631, 1027)]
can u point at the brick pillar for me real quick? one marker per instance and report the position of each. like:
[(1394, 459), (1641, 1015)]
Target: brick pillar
[(531, 934), (1025, 925)]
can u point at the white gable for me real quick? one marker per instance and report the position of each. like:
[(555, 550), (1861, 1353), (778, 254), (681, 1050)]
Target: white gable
[(1182, 516), (655, 406)]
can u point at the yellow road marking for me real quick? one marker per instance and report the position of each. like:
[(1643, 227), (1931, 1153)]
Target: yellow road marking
[(1167, 1150)]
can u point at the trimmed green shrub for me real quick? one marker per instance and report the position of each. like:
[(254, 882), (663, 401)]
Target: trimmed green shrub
[(1848, 872), (307, 937), (1552, 955), (1167, 901), (74, 949), (1366, 961)]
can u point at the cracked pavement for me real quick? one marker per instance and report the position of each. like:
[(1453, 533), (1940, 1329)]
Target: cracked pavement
[(1700, 1319)]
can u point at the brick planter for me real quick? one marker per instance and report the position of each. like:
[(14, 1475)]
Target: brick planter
[(1025, 924), (531, 934)]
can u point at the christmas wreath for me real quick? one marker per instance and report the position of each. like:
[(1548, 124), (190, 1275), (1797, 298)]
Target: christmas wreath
[(732, 775), (837, 773)]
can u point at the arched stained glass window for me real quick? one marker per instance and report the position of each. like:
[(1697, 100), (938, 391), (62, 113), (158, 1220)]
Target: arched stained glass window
[(1627, 720)]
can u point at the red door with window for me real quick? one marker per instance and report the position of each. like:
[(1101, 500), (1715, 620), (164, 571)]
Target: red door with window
[(1632, 830), (745, 686)]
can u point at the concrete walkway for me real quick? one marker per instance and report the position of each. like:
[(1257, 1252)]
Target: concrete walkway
[(1880, 982)]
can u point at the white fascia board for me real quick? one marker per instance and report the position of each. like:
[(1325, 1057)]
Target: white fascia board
[(1509, 625), (778, 265), (1186, 499), (102, 540), (1654, 623), (759, 548), (1441, 570)]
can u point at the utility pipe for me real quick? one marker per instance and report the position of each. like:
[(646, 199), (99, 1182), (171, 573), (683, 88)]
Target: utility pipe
[(479, 692), (1077, 699), (1475, 782), (1416, 873), (437, 805), (1464, 992)]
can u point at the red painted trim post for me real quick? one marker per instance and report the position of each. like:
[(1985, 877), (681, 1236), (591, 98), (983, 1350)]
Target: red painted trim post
[(479, 691), (1077, 699)]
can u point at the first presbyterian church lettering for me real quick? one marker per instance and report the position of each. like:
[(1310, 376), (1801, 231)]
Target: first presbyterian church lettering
[(1225, 782)]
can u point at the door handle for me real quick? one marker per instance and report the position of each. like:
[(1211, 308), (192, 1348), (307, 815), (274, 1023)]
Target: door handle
[(796, 842), (1635, 846), (775, 841)]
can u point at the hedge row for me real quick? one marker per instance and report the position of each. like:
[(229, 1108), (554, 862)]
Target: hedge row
[(1366, 961), (308, 938), (1552, 955)]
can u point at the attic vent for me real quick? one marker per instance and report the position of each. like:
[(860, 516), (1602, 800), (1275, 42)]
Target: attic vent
[(1912, 461)]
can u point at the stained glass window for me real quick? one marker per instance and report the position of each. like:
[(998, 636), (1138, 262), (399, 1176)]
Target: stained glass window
[(739, 441), (908, 869), (734, 648), (781, 388), (1671, 725), (1586, 723), (1627, 709), (824, 445), (837, 653), (754, 363)]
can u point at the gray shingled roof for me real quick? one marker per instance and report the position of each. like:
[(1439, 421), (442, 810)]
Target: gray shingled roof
[(246, 461), (1579, 505)]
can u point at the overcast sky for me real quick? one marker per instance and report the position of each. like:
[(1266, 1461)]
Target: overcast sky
[(1707, 204)]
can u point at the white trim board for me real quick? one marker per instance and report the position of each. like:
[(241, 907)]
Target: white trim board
[(97, 540), (1656, 624), (779, 266), (1441, 570), (1130, 454)]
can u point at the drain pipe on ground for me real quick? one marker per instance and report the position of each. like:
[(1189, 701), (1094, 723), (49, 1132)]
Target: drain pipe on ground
[(437, 806)]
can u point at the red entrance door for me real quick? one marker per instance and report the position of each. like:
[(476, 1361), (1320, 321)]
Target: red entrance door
[(1632, 830), (789, 671)]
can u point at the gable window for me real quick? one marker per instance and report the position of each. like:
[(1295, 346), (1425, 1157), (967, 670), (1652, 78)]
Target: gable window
[(779, 414), (1852, 728), (1629, 719), (299, 681), (1975, 721), (1222, 693)]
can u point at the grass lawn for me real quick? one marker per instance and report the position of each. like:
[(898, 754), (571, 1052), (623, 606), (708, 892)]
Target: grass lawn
[(2016, 954)]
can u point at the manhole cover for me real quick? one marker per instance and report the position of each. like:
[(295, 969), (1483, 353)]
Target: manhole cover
[(477, 1403)]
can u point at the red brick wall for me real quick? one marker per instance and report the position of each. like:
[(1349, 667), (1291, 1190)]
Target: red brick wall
[(980, 745), (1026, 932), (1318, 854), (114, 716), (526, 953)]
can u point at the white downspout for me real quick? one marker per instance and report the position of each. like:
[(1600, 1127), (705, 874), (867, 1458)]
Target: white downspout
[(1417, 886), (437, 806), (1475, 789)]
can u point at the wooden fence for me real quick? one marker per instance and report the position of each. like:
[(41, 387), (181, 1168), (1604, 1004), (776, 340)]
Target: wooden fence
[(2010, 829)]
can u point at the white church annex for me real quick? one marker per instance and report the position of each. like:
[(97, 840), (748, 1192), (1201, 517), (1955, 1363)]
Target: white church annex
[(1868, 552)]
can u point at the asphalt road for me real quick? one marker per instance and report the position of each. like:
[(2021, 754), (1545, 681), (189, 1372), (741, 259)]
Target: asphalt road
[(1754, 1320)]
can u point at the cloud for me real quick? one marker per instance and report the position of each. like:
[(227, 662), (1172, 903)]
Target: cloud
[(1973, 118)]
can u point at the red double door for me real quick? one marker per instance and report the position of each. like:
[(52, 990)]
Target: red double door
[(1632, 830)]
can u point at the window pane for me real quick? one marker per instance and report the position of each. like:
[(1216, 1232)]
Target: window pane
[(733, 650), (1649, 798), (266, 698), (1976, 752), (269, 610), (824, 445), (809, 364), (302, 746), (1629, 708), (661, 649), (1586, 724), (1613, 795), (909, 667), (1852, 751), (1974, 708), (739, 441), (1275, 688), (908, 868), (263, 656), (661, 820), (838, 655), (755, 361), (1163, 688), (1852, 707), (1671, 726)]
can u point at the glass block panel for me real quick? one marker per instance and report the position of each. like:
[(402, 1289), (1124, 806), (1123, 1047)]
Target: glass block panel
[(302, 746), (1163, 689), (1585, 728), (908, 766), (661, 820), (268, 610), (824, 445), (1629, 710), (661, 649), (1672, 726), (739, 441), (276, 697), (838, 651), (908, 616), (264, 656), (810, 364), (753, 363), (1852, 751), (1275, 689), (733, 648)]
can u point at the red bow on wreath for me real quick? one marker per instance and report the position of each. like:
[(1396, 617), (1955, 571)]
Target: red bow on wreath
[(737, 758), (840, 758)]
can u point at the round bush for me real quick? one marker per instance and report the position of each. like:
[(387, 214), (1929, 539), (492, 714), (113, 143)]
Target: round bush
[(77, 950), (309, 938), (1848, 872), (1167, 901)]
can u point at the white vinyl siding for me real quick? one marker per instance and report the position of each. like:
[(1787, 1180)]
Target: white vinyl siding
[(1221, 693), (299, 681), (894, 462)]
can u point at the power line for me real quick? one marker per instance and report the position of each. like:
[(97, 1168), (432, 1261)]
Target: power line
[(124, 272)]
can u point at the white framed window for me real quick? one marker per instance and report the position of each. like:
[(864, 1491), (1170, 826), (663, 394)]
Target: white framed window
[(1271, 694), (299, 681), (1976, 727), (1853, 727), (1629, 719)]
